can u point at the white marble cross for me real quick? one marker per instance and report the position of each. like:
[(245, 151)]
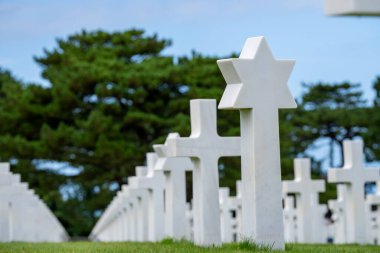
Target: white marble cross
[(137, 210), (189, 223), (155, 183), (236, 205), (371, 224), (354, 175), (338, 208), (320, 223), (133, 220), (290, 220), (226, 220), (306, 191), (257, 86), (175, 191), (205, 147), (374, 200)]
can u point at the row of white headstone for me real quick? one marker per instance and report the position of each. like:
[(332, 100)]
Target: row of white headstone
[(257, 87), (164, 184), (153, 206), (23, 216)]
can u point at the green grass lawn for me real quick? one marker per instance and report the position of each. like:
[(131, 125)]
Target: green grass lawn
[(167, 246)]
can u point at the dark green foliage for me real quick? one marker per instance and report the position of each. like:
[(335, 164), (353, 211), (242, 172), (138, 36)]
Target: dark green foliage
[(372, 136), (334, 112)]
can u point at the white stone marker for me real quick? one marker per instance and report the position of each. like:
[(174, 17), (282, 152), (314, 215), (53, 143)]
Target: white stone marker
[(338, 208), (155, 183), (29, 219), (189, 223), (140, 209), (6, 179), (236, 204), (374, 199), (225, 215), (352, 7), (354, 175), (138, 199), (320, 222), (290, 220), (306, 190), (132, 217), (371, 224), (175, 191), (205, 147), (23, 216), (257, 86)]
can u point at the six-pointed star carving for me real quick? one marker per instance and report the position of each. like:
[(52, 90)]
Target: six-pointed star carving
[(256, 79)]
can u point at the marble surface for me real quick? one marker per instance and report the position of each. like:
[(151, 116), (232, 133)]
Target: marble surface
[(309, 211), (175, 188), (23, 215), (354, 175), (226, 220), (204, 146), (154, 182), (257, 86), (374, 215), (290, 220), (338, 207)]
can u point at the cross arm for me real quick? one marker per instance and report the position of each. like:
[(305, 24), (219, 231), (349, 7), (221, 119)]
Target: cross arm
[(290, 187), (230, 146), (176, 163), (183, 147), (372, 174), (335, 175), (319, 185)]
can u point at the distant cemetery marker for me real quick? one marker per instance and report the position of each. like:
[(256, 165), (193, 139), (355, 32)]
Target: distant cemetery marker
[(306, 191), (354, 175)]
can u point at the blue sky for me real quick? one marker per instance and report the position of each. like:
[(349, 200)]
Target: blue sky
[(326, 49)]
